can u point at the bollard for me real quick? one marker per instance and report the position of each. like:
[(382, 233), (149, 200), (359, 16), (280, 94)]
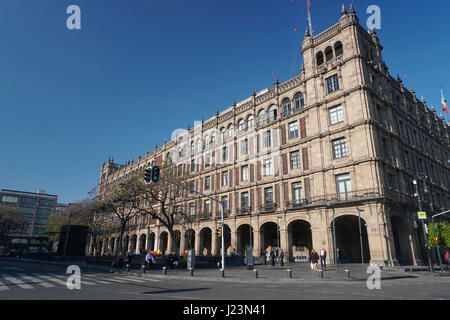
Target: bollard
[(256, 273), (191, 272), (165, 271), (348, 273), (321, 274), (143, 268), (289, 273), (127, 268), (222, 273)]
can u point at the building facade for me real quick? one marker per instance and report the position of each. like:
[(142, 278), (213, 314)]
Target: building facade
[(335, 148)]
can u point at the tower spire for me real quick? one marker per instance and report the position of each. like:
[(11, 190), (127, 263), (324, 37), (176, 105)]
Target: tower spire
[(308, 5)]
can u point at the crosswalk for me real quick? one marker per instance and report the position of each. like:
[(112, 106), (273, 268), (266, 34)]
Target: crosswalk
[(49, 280)]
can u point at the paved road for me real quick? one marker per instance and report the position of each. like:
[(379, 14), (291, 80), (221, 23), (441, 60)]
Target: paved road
[(30, 281)]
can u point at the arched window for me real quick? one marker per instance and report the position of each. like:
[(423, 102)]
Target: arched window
[(299, 102), (329, 53), (272, 113), (192, 147), (213, 137), (338, 50), (262, 118), (241, 125), (168, 158), (250, 123), (230, 130), (206, 141), (286, 106), (319, 58), (222, 134), (199, 145)]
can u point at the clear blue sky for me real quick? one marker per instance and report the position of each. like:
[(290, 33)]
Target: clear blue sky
[(71, 99)]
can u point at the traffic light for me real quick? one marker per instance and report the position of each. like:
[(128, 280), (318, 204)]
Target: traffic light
[(219, 232), (436, 241), (155, 174), (148, 175)]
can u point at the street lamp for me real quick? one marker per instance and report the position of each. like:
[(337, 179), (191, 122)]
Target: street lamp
[(424, 226), (278, 227), (360, 237)]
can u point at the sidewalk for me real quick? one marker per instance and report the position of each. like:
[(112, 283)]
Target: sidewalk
[(300, 273)]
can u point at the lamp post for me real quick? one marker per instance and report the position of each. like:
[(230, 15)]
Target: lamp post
[(424, 227), (360, 237), (278, 227)]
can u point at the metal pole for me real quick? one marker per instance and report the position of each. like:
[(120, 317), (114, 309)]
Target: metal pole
[(360, 238), (334, 240), (67, 237), (425, 234)]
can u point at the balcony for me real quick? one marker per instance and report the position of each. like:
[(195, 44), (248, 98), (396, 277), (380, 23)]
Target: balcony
[(245, 211), (206, 215), (267, 208), (296, 204)]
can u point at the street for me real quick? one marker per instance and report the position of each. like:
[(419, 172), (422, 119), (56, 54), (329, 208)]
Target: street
[(30, 281)]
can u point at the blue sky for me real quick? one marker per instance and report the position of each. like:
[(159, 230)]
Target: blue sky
[(69, 99)]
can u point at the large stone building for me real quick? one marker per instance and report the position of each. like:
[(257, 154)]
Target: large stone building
[(341, 138)]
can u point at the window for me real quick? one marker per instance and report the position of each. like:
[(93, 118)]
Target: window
[(222, 134), (207, 183), (332, 83), (25, 200), (225, 178), (181, 151), (208, 160), (225, 202), (230, 131), (40, 221), (295, 160), (268, 195), (193, 165), (10, 199), (336, 115), (319, 58), (199, 145), (297, 192), (207, 206), (267, 167), (180, 170), (191, 209), (286, 107), (272, 113), (192, 147), (43, 211), (407, 163), (344, 186), (338, 50), (262, 118), (299, 102), (293, 130), (206, 141), (244, 199), (250, 123), (46, 203), (213, 137), (38, 230), (244, 147), (241, 125), (329, 53), (339, 148), (244, 173), (191, 186), (266, 139), (27, 210), (224, 154)]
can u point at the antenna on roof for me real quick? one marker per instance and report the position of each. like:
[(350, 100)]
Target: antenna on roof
[(308, 5)]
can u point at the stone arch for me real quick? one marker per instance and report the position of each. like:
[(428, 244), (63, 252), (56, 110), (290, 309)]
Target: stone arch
[(133, 244), (112, 246), (401, 240), (329, 53), (189, 242), (269, 235), (163, 241), (142, 243), (319, 58), (338, 49), (299, 239), (348, 238), (245, 237), (151, 241), (205, 241)]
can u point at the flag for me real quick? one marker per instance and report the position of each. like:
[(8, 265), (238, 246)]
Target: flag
[(444, 102)]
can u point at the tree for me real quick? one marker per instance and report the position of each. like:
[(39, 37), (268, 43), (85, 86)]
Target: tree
[(442, 233), (161, 201), (121, 204), (10, 220)]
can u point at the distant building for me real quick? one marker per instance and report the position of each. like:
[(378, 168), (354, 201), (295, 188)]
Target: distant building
[(36, 207)]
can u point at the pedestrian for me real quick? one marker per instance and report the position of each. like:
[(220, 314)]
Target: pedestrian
[(447, 256), (272, 257), (339, 255), (281, 257), (175, 260), (323, 258), (314, 259), (263, 255), (149, 260)]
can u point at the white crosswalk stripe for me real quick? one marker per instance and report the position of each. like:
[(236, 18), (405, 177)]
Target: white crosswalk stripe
[(36, 280), (51, 278), (82, 280), (17, 282)]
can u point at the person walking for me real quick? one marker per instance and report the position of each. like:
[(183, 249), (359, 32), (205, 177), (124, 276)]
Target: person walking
[(272, 257), (323, 258), (314, 259), (339, 255), (447, 256), (264, 255), (281, 257), (149, 260)]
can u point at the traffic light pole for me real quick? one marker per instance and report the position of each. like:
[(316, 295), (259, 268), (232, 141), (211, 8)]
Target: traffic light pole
[(435, 236), (221, 213)]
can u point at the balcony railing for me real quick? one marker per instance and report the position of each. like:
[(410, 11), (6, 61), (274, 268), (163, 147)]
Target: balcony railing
[(206, 215), (267, 208), (243, 211), (296, 204)]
